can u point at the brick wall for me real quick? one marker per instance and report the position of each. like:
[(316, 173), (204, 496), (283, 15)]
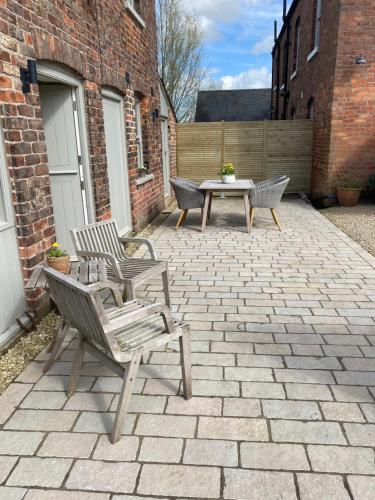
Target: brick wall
[(343, 92), (100, 42), (353, 107), (314, 79)]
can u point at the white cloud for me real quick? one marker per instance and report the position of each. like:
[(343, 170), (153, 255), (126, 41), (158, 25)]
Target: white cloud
[(210, 29), (217, 10), (254, 16), (250, 79), (264, 46)]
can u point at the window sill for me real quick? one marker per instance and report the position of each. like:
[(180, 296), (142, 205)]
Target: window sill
[(294, 75), (313, 53), (135, 14), (146, 178)]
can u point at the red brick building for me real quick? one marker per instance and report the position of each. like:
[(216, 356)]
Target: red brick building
[(324, 69), (83, 141)]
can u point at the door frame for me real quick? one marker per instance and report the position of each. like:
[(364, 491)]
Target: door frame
[(10, 223), (59, 75), (5, 186), (110, 94)]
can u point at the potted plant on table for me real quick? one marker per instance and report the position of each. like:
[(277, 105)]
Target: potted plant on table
[(227, 173), (349, 193), (58, 259)]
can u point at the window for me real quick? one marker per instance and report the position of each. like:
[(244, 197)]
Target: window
[(285, 56), (138, 127), (134, 7), (315, 38), (297, 38), (135, 4), (311, 109)]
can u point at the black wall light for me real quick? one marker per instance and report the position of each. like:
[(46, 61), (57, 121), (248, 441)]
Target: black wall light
[(360, 60), (28, 75), (128, 78), (155, 114)]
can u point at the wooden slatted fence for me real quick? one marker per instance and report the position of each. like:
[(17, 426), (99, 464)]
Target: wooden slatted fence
[(259, 150)]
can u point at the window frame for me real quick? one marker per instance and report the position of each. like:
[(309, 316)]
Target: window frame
[(297, 43), (135, 13), (317, 31)]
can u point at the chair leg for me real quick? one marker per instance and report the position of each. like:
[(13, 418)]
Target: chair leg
[(76, 368), (125, 396), (165, 279), (275, 218), (185, 355), (129, 292), (252, 213), (60, 336), (181, 218)]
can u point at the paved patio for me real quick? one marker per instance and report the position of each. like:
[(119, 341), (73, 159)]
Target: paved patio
[(284, 378)]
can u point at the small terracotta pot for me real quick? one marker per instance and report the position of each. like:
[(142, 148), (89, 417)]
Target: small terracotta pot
[(348, 197), (61, 264)]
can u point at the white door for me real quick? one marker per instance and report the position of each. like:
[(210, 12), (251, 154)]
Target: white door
[(12, 301), (165, 152), (64, 163), (117, 161)]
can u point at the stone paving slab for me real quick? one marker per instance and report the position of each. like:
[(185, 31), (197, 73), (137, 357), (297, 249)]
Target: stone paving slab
[(283, 342)]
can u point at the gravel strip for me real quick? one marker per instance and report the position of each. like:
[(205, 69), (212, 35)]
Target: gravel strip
[(15, 359), (357, 222)]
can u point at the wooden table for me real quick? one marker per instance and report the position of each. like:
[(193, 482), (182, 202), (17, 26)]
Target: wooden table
[(86, 272), (244, 185)]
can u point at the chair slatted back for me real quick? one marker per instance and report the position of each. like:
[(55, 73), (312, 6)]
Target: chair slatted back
[(99, 237), (77, 305)]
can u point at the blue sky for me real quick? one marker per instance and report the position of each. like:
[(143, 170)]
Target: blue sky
[(238, 39)]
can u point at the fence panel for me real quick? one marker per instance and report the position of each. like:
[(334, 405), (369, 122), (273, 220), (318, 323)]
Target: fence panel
[(259, 150)]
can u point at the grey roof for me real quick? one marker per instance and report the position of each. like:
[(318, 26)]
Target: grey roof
[(233, 105)]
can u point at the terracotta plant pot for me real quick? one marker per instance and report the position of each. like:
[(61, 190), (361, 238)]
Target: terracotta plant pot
[(61, 264), (348, 197)]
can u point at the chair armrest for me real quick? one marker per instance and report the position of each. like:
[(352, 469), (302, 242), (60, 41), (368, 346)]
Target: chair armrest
[(143, 241), (108, 285), (142, 313), (101, 255)]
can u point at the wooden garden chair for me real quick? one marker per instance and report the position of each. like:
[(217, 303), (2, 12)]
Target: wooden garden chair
[(102, 241), (118, 337)]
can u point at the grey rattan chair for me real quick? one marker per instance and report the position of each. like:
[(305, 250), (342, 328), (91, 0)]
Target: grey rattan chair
[(119, 336), (188, 195), (267, 194)]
